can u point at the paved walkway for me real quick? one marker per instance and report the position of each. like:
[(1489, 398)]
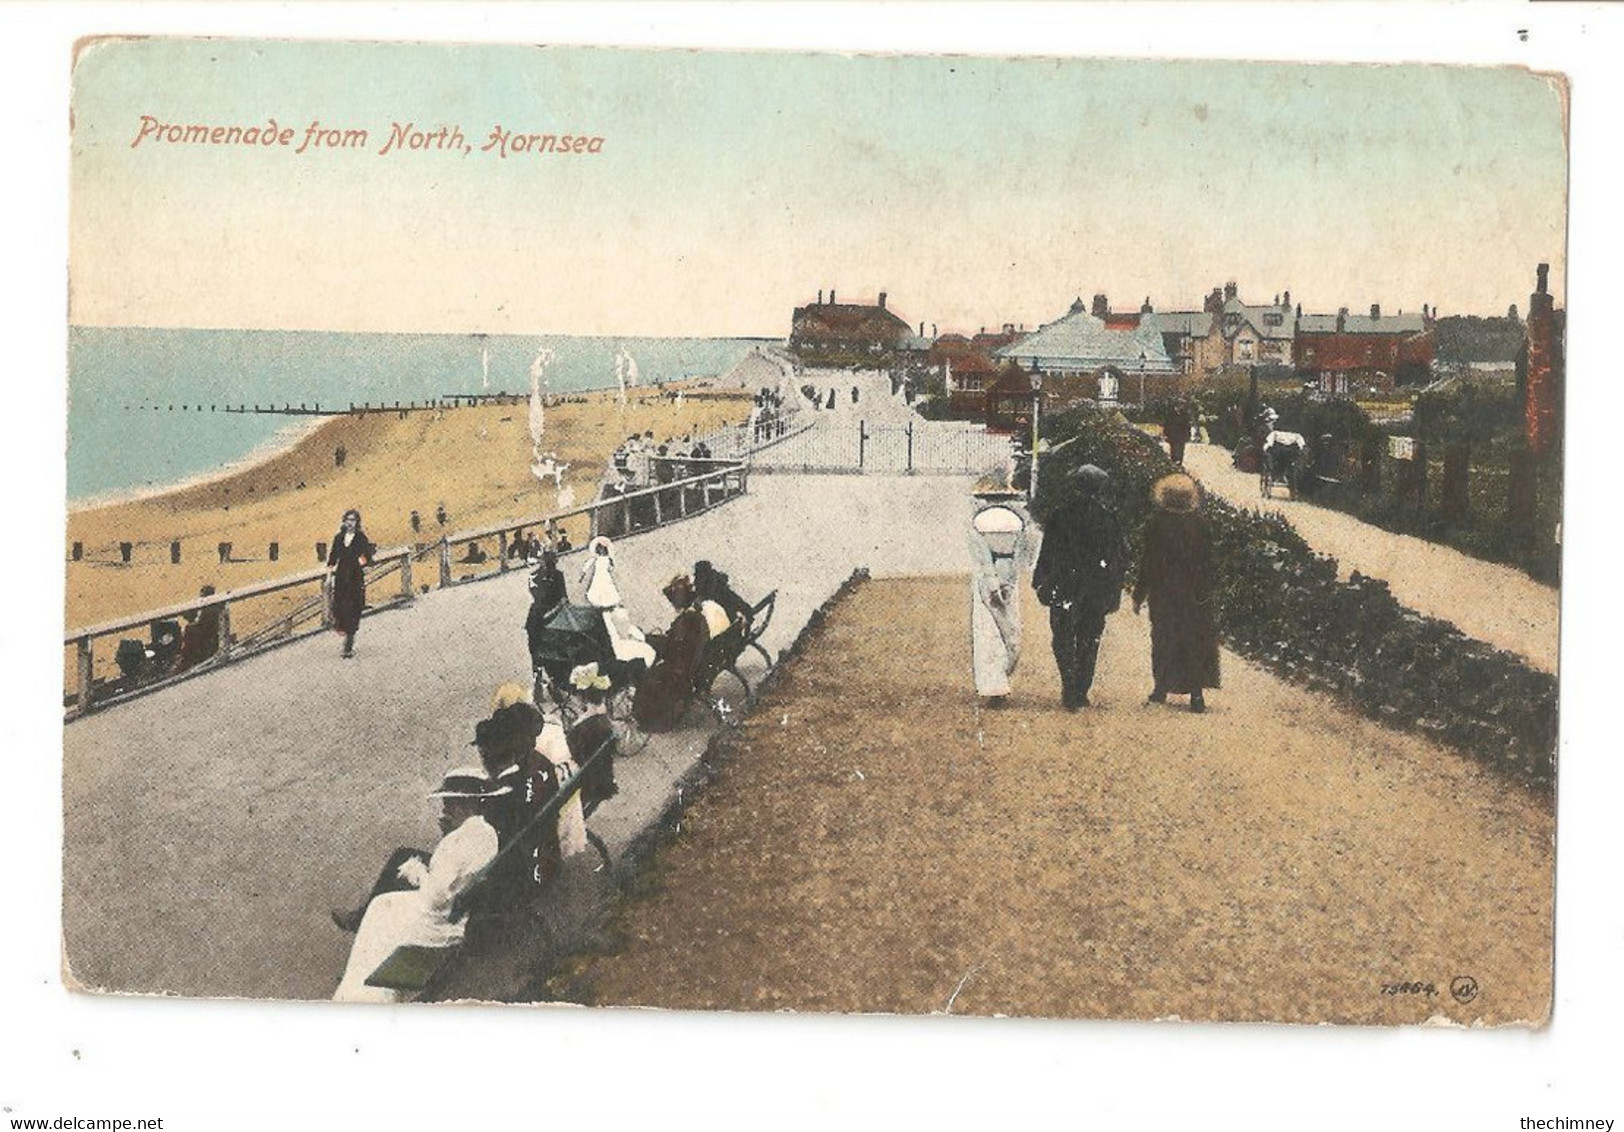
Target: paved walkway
[(211, 826), (1485, 600)]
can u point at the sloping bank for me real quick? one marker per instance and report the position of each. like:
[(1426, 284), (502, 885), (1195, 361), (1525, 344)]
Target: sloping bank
[(1281, 605)]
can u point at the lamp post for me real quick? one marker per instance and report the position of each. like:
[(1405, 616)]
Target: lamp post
[(1037, 406)]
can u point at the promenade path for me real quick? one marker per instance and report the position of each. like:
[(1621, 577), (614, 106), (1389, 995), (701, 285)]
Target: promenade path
[(1488, 601), (209, 827), (879, 842)]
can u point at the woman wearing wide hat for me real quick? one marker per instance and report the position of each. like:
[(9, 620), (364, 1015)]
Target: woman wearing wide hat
[(1175, 578)]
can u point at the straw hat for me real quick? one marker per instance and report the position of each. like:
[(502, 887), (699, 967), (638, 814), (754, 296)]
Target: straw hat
[(469, 782), (998, 521), (1177, 492)]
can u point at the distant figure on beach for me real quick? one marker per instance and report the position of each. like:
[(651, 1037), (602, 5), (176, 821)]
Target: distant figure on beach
[(1079, 577), (347, 561), (417, 522), (439, 514), (1175, 578), (339, 456), (997, 550), (414, 898), (663, 695)]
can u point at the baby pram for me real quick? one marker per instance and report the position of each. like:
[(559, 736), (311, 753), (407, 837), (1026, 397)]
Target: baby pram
[(1282, 462), (568, 636)]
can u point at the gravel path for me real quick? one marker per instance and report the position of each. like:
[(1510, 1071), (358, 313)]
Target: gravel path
[(1494, 603), (879, 843)]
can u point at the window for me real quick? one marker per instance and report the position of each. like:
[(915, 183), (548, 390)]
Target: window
[(1274, 319)]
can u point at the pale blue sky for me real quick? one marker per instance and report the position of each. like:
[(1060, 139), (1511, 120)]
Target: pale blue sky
[(734, 186)]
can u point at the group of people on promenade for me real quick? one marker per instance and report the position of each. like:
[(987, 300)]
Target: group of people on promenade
[(505, 837), (1079, 576), (660, 670)]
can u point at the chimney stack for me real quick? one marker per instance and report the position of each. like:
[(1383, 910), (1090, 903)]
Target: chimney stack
[(882, 300), (1230, 290), (1102, 306), (820, 296), (831, 296), (1286, 301), (1145, 307), (1375, 311), (1215, 301), (1341, 320), (921, 330), (1543, 272)]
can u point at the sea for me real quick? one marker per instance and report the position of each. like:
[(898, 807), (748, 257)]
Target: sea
[(139, 399)]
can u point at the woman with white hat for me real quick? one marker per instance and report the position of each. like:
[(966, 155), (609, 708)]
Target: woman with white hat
[(997, 553)]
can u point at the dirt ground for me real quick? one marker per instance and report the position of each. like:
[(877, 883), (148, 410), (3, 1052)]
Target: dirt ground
[(877, 842)]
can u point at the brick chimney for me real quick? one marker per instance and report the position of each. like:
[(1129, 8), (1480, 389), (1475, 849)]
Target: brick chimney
[(882, 300), (1285, 301), (1341, 320), (1145, 307), (1230, 290), (831, 296), (1375, 312), (820, 296), (1540, 415), (1215, 301), (1102, 306)]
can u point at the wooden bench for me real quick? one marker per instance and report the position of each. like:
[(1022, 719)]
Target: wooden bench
[(412, 968), (724, 651)]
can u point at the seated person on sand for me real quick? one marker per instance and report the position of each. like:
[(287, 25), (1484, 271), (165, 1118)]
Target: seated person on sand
[(603, 593), (200, 637), (413, 899), (663, 695)]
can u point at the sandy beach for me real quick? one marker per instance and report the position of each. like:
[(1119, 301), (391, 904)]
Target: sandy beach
[(475, 462)]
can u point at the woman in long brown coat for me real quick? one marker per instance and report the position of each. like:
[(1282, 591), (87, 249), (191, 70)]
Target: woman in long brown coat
[(1175, 577), (664, 693)]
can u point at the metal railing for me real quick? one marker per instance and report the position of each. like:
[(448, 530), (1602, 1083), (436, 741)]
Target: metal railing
[(101, 680)]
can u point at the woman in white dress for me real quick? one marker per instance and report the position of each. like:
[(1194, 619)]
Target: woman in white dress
[(603, 593), (997, 555)]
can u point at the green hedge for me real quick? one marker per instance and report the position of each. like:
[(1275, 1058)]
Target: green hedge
[(1280, 604)]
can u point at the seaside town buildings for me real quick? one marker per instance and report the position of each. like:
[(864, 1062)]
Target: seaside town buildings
[(865, 335), (1094, 352)]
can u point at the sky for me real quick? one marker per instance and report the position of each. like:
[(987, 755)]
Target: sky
[(731, 187)]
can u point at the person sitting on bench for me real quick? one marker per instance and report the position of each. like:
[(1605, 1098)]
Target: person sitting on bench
[(412, 901), (716, 595)]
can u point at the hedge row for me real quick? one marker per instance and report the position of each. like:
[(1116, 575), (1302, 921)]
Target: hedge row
[(1280, 604)]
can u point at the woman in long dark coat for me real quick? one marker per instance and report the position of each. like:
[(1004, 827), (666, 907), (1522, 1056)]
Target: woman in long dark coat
[(1175, 577), (347, 562)]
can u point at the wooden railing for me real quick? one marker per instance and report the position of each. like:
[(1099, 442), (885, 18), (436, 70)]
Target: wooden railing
[(620, 515)]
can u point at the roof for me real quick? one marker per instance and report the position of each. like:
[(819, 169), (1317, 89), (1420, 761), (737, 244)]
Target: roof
[(1362, 324), (847, 321), (1194, 324), (1081, 341), (1256, 317)]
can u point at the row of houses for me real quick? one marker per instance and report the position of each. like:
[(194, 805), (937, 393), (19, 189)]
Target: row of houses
[(1130, 354)]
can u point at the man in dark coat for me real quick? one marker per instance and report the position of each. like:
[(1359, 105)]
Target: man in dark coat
[(1175, 577), (1176, 428), (1079, 577)]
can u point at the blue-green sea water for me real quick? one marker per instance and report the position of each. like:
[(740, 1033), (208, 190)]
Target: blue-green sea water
[(139, 416)]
